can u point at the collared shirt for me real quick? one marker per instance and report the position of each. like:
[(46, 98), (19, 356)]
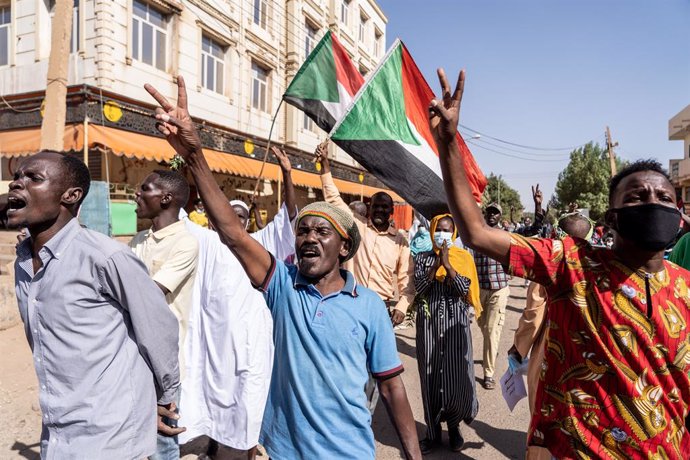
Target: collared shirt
[(490, 273), (614, 378), (317, 407), (381, 257), (171, 255), (97, 326)]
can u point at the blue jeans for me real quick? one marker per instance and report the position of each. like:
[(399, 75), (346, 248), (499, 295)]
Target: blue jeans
[(167, 447)]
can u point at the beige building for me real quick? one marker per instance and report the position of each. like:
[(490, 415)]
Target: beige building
[(679, 130), (237, 57)]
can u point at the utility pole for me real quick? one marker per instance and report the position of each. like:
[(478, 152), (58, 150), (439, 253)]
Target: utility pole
[(53, 126), (612, 156)]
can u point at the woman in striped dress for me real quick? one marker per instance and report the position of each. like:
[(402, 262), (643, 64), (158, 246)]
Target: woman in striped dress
[(443, 279)]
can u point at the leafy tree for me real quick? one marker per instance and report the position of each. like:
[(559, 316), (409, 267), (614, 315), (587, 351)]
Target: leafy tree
[(585, 180), (509, 197)]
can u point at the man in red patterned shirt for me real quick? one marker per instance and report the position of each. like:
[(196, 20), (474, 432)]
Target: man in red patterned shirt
[(614, 382)]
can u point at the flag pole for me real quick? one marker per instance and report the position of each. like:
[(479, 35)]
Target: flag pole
[(268, 147)]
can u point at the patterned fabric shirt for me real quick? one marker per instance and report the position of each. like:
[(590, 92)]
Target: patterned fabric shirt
[(490, 273), (614, 379)]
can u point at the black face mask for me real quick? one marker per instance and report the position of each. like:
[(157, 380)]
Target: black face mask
[(652, 227)]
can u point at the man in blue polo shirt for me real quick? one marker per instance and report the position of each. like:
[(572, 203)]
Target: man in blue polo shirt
[(327, 330)]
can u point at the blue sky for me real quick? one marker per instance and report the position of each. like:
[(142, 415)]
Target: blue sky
[(554, 73)]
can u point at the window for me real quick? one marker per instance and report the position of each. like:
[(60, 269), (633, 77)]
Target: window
[(363, 29), (308, 123), (261, 13), (259, 87), (309, 38), (74, 41), (5, 21), (378, 37), (149, 35), (212, 64), (345, 12)]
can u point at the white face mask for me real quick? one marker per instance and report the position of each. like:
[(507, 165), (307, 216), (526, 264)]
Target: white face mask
[(441, 237)]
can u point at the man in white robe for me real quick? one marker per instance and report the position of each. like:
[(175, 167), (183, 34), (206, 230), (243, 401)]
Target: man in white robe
[(229, 347)]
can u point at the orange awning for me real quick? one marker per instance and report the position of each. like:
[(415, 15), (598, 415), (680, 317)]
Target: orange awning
[(24, 142)]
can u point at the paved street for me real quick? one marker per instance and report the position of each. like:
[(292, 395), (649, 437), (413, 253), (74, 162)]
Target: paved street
[(495, 434)]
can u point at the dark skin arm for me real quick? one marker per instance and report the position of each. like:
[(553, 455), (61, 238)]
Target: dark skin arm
[(321, 155), (444, 115), (538, 198), (398, 407), (178, 128), (257, 216), (289, 187)]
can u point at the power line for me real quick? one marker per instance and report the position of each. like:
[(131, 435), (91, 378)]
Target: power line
[(522, 145), (522, 152), (511, 155)]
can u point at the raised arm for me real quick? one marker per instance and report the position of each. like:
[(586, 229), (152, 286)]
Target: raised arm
[(257, 216), (539, 214), (289, 187), (443, 118), (177, 126), (331, 194)]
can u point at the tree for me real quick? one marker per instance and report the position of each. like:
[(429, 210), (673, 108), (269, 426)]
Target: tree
[(509, 197), (585, 180)]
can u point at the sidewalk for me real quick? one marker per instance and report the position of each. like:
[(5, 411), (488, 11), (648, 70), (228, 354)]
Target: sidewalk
[(495, 434)]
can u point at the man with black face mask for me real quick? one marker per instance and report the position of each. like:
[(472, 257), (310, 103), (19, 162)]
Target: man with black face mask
[(614, 378)]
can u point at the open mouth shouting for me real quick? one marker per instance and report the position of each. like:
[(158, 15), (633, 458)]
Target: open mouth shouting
[(15, 204), (309, 252)]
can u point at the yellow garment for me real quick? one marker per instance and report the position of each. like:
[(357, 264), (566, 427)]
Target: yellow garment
[(199, 218), (463, 263)]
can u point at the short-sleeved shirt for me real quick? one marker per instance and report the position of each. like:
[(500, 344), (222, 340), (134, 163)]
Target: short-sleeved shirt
[(324, 345), (171, 255), (614, 379)]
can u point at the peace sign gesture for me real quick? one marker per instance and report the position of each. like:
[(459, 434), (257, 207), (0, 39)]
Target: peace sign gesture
[(175, 122), (537, 196), (444, 115)]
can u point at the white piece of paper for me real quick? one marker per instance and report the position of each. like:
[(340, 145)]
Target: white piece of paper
[(513, 388)]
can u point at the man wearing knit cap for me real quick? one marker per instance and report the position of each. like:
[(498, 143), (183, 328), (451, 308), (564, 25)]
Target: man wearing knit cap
[(327, 330)]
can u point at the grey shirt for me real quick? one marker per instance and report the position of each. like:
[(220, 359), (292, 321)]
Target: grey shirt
[(104, 344)]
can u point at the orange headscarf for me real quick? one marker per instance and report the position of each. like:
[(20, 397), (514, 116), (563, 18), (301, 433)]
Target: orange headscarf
[(461, 261)]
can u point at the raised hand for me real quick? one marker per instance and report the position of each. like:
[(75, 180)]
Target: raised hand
[(174, 121), (444, 115), (283, 158), (537, 196), (321, 156), (321, 152)]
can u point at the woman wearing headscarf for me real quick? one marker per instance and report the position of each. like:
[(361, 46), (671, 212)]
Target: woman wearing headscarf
[(446, 282)]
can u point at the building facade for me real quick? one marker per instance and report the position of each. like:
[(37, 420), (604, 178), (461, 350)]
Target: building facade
[(679, 169), (237, 58)]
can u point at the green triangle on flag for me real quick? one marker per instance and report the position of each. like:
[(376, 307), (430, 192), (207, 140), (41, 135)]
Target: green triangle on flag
[(378, 111), (316, 79)]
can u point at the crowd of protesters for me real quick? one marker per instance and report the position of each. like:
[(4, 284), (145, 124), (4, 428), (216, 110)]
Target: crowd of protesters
[(285, 337)]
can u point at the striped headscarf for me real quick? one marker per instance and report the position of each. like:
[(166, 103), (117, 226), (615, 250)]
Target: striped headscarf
[(341, 220)]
